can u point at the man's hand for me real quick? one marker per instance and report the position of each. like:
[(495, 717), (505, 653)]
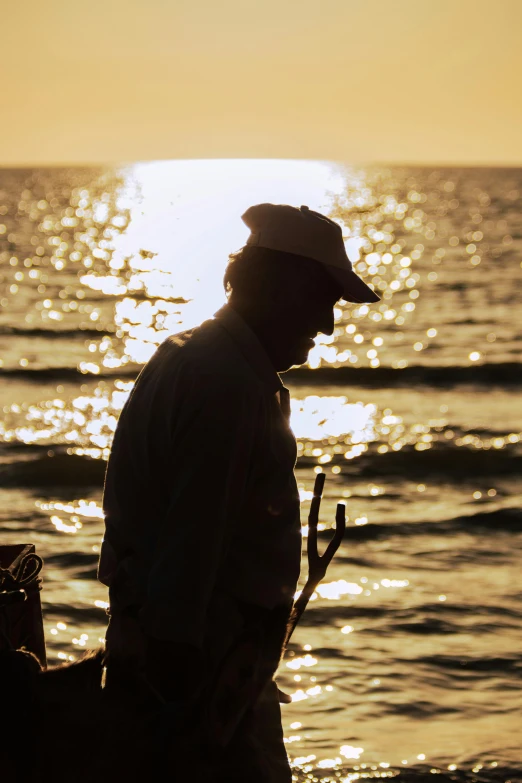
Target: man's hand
[(284, 698)]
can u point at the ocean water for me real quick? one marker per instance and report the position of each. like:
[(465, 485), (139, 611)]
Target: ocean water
[(408, 660)]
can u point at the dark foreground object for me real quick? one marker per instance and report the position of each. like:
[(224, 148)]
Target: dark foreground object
[(59, 724), (21, 623)]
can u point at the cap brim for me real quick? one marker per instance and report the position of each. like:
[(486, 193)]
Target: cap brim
[(355, 289)]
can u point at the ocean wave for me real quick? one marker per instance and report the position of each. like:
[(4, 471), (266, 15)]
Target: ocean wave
[(505, 520), (54, 334), (424, 619), (68, 374), (73, 614), (64, 470), (417, 710), (54, 470), (77, 565), (502, 665), (467, 773), (442, 461), (52, 465), (499, 374)]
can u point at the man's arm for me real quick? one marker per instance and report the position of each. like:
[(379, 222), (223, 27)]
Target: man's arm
[(213, 439)]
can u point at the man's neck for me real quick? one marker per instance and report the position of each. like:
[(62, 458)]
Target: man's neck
[(263, 329)]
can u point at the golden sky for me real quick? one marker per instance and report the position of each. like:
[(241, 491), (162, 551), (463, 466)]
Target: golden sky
[(351, 80)]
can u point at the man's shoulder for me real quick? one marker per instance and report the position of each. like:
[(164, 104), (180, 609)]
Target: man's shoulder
[(207, 353)]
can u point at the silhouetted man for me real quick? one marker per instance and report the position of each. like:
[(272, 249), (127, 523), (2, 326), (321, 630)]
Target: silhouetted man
[(203, 539)]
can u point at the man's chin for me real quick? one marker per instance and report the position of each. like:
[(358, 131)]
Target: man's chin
[(297, 360)]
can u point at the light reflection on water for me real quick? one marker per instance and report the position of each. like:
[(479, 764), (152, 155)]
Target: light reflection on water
[(137, 253), (328, 429), (95, 238)]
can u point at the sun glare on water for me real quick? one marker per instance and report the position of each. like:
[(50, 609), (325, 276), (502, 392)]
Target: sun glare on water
[(187, 216)]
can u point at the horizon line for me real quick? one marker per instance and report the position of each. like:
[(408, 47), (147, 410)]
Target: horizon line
[(334, 161)]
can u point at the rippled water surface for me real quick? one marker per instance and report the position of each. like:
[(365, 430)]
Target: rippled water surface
[(409, 655)]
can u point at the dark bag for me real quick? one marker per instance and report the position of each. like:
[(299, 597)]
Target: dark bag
[(21, 623)]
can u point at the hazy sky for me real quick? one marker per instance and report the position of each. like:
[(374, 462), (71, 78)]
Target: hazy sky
[(352, 80)]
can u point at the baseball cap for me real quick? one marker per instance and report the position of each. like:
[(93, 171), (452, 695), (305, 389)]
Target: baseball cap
[(304, 232)]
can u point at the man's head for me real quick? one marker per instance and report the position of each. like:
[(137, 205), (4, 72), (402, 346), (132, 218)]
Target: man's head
[(287, 299), (288, 277)]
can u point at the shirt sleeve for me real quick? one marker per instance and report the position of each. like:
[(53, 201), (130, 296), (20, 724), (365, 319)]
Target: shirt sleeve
[(214, 430)]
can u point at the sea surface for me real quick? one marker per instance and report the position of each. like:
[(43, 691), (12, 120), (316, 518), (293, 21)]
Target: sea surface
[(408, 660)]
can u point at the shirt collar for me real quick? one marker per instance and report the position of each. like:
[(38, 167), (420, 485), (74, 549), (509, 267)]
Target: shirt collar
[(249, 346)]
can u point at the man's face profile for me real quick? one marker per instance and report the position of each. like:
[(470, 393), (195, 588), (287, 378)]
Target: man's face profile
[(287, 299), (306, 311)]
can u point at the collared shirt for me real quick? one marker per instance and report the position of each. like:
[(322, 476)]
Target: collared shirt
[(200, 497)]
